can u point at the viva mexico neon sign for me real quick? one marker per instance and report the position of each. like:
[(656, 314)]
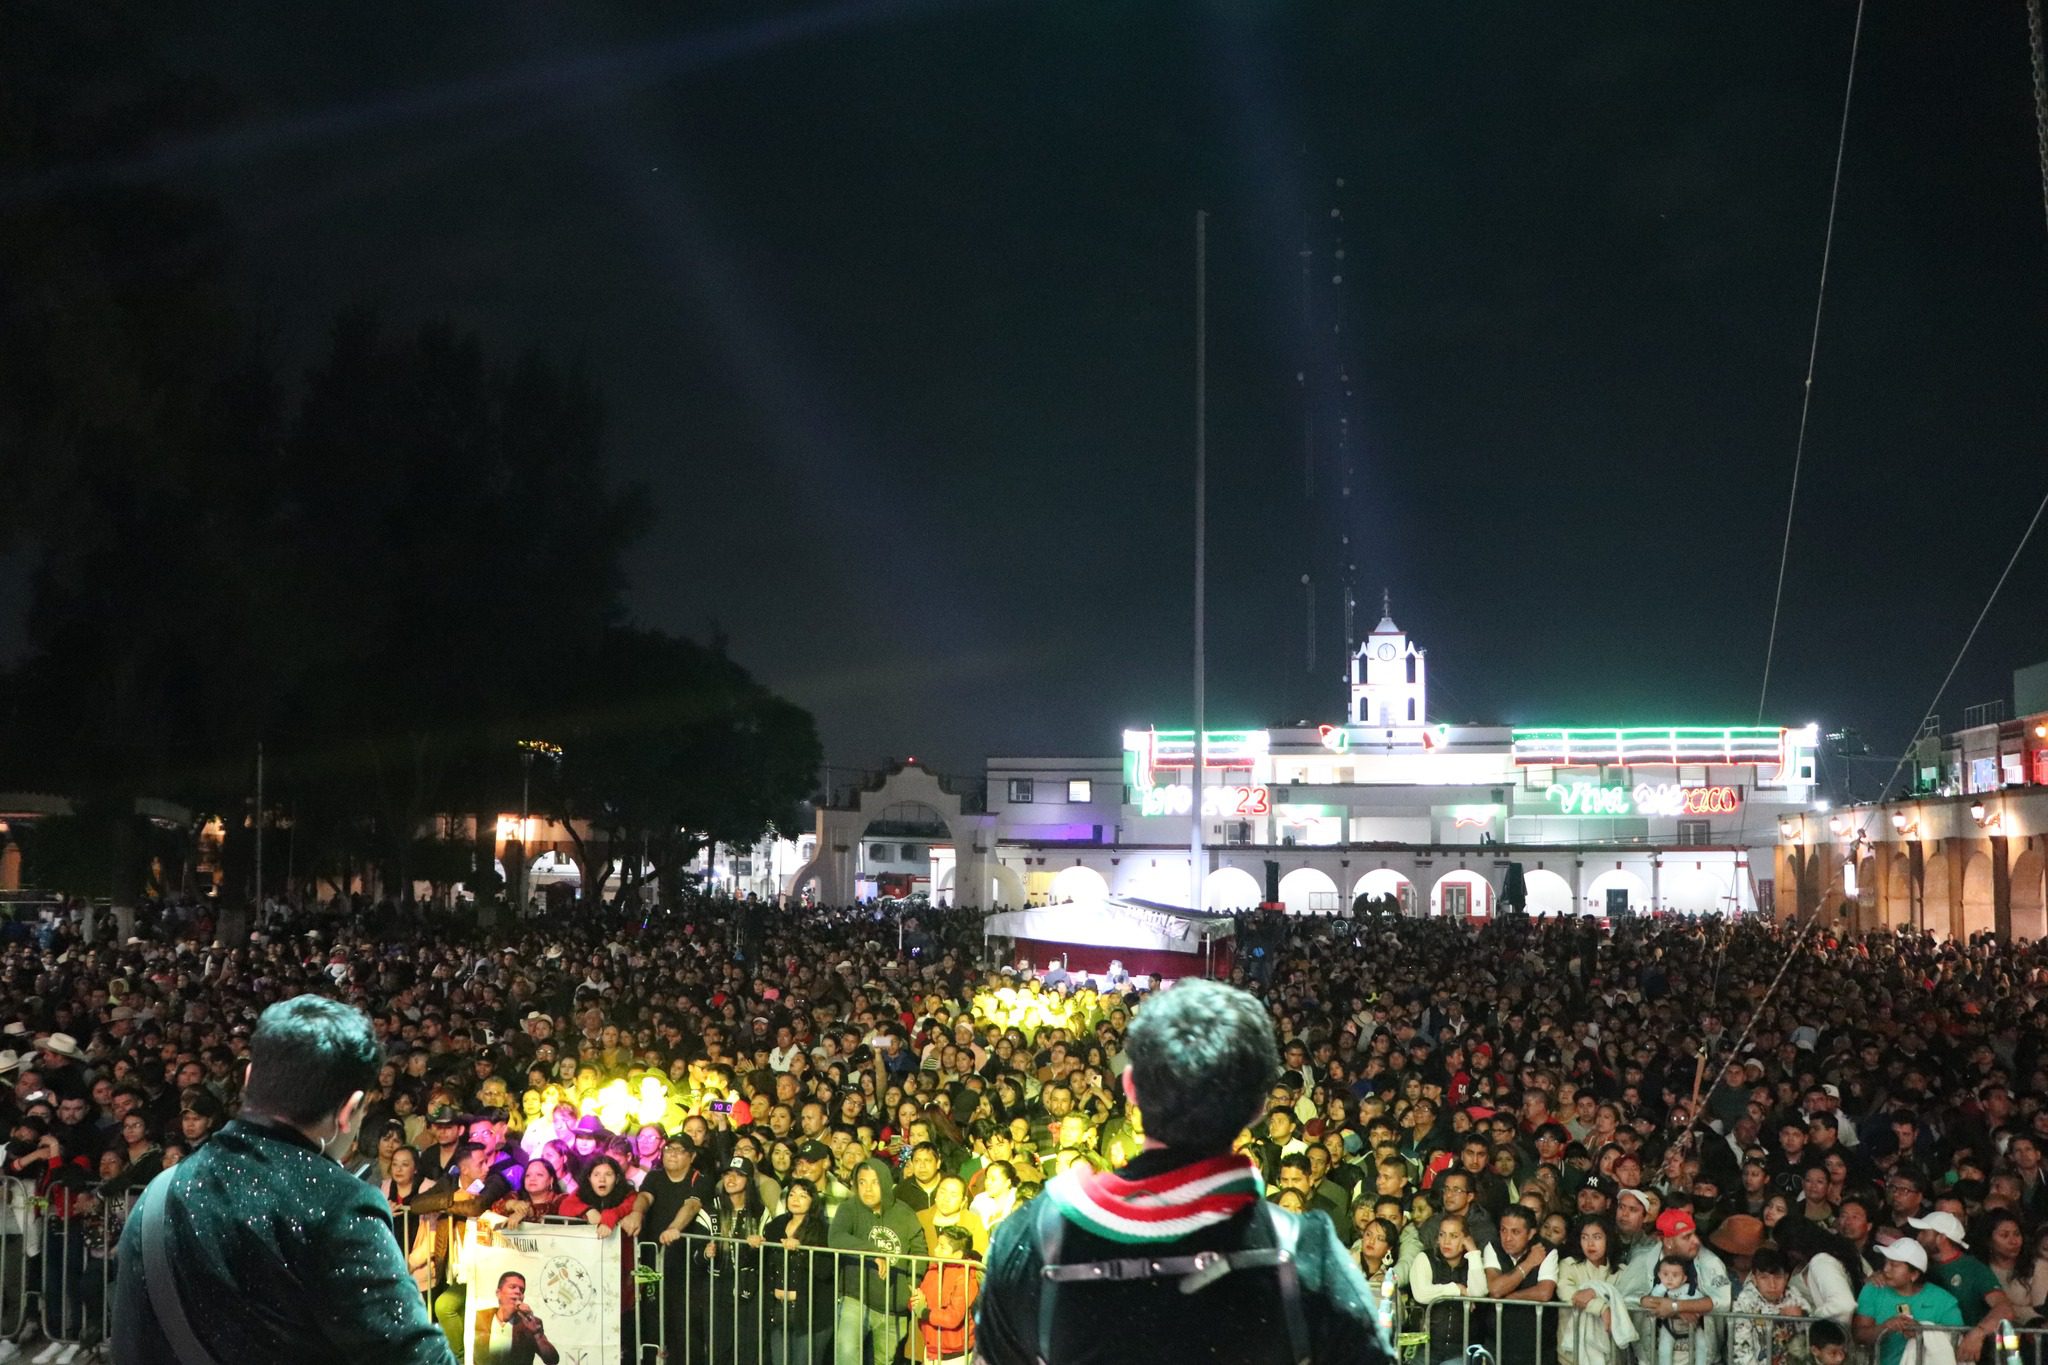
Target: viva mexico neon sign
[(1645, 798)]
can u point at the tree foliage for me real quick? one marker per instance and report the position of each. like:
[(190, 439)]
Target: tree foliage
[(385, 573)]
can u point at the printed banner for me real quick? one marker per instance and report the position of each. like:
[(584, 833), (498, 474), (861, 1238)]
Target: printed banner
[(563, 1275)]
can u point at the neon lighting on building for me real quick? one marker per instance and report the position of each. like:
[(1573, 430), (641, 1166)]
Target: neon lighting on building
[(1222, 803), (1728, 744), (1645, 798)]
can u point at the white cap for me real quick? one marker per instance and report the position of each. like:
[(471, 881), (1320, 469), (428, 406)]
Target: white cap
[(1947, 1224), (1636, 1195), (1907, 1250)]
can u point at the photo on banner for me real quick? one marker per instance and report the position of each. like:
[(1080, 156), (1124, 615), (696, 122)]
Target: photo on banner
[(571, 1283)]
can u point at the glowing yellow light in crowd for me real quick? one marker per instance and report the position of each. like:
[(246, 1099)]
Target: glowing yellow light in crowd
[(653, 1105)]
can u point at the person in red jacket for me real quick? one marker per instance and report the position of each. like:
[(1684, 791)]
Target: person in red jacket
[(943, 1303)]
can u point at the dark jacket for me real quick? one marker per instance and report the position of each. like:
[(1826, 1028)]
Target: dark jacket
[(279, 1254), (892, 1229), (1239, 1320)]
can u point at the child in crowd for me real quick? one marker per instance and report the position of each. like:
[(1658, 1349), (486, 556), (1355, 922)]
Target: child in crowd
[(1675, 1280), (1770, 1293)]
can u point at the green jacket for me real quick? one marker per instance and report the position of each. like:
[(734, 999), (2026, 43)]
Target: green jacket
[(279, 1255)]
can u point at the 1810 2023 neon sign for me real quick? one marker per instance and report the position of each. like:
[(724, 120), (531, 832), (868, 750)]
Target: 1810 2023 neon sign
[(1218, 802), (1645, 798)]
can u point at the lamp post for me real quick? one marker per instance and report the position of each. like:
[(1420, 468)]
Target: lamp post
[(529, 749)]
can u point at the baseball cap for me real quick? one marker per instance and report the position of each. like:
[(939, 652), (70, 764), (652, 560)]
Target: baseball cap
[(742, 1165), (814, 1151), (1907, 1250), (1636, 1195), (1947, 1224), (1674, 1223)]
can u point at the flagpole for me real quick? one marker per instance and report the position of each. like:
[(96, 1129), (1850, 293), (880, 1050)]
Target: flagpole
[(1195, 869)]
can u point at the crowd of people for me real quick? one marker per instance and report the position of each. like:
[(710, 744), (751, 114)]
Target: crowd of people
[(1637, 1124)]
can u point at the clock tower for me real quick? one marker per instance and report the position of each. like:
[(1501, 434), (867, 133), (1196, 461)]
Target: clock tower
[(1389, 683)]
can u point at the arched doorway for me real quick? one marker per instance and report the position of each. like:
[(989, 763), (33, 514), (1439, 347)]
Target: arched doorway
[(1461, 894), (1934, 893), (1898, 890), (2029, 904), (1162, 881), (1634, 893), (1078, 884), (1308, 890), (1549, 892), (1980, 905), (895, 852), (1866, 892), (1231, 888), (1006, 887), (1697, 888), (1383, 890)]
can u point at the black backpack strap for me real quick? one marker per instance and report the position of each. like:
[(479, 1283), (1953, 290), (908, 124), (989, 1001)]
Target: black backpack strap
[(1285, 1234), (1052, 1232), (1282, 1238)]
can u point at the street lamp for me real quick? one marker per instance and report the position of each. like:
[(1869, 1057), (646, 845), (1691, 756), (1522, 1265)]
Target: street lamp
[(1790, 826), (1977, 811), (1839, 824), (1901, 821)]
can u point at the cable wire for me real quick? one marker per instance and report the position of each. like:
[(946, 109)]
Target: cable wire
[(2042, 506), (1827, 252)]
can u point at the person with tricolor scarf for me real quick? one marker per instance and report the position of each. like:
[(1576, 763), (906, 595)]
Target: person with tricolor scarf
[(1177, 1256)]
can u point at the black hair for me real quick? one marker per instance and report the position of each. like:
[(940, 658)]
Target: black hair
[(1823, 1333), (518, 1275), (307, 1056), (1202, 1060)]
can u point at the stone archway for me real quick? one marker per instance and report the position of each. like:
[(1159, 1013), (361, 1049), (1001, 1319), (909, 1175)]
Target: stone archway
[(1462, 886), (1980, 905), (1549, 892), (2029, 897), (1934, 906), (1078, 883), (835, 863), (1309, 890), (1618, 879), (1383, 884), (1232, 888), (1898, 890)]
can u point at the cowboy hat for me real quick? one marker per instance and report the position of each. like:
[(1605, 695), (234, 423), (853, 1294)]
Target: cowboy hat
[(10, 1060), (64, 1045)]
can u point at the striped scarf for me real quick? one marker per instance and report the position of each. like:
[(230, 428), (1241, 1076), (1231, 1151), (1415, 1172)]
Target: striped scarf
[(1160, 1208)]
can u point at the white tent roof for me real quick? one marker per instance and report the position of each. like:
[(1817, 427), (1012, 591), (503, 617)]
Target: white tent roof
[(1115, 922)]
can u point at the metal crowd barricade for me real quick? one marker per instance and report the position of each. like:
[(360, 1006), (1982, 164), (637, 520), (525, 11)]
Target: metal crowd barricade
[(1508, 1331), (62, 1254), (726, 1301)]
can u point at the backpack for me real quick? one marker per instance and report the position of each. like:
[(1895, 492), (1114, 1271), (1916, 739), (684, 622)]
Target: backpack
[(1196, 1272)]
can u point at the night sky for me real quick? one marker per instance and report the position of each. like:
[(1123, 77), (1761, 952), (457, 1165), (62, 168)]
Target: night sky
[(893, 307)]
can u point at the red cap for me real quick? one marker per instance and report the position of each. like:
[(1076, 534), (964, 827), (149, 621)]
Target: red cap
[(1674, 1223)]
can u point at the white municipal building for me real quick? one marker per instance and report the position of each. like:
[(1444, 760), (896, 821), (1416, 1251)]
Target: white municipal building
[(1377, 802)]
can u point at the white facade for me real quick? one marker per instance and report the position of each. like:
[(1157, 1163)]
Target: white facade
[(1382, 801)]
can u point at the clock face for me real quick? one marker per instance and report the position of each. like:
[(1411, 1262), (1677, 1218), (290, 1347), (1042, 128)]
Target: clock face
[(1386, 651)]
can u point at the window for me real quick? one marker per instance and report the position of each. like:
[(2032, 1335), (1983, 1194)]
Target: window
[(1411, 708), (912, 853), (881, 853), (1020, 791), (1694, 832), (1080, 791)]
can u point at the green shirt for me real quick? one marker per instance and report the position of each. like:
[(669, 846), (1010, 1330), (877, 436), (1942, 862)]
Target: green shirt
[(1880, 1302), (1971, 1281)]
